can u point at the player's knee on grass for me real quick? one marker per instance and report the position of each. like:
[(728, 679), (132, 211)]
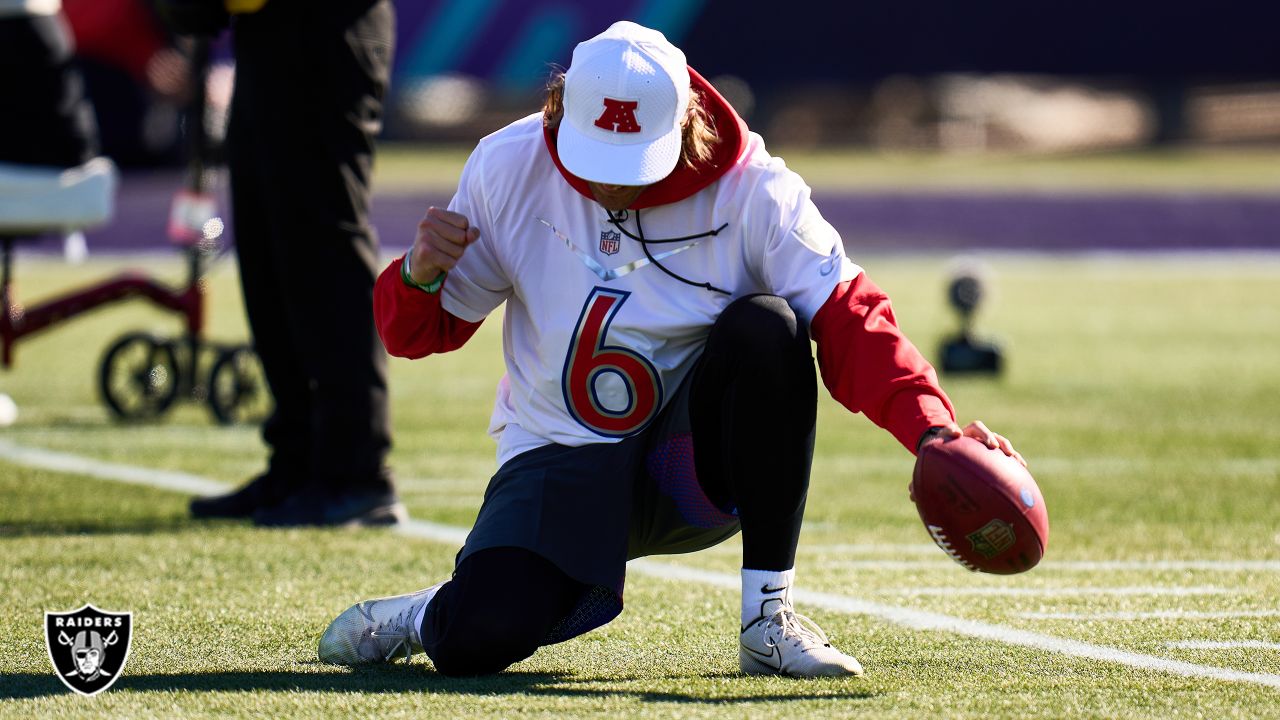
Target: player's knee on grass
[(484, 643), (499, 608)]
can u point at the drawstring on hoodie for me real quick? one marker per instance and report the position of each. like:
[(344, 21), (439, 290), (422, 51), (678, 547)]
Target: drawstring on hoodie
[(618, 220)]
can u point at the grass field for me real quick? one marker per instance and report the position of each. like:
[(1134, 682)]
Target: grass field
[(1142, 390), (407, 167)]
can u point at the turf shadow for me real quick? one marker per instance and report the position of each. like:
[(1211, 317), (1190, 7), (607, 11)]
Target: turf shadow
[(405, 679)]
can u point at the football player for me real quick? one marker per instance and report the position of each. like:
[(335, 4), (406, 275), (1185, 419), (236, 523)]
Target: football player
[(663, 276)]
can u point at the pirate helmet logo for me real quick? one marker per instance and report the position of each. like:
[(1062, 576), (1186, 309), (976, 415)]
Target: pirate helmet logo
[(88, 647)]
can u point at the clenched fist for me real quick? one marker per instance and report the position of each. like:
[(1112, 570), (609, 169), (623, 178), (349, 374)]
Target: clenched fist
[(442, 238)]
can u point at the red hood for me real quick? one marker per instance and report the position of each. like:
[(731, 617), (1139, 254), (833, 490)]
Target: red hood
[(684, 180)]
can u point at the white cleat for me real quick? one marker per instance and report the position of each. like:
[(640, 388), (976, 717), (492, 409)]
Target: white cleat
[(787, 643), (376, 631)]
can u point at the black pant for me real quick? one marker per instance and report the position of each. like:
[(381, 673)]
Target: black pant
[(753, 411), (44, 117), (310, 80)]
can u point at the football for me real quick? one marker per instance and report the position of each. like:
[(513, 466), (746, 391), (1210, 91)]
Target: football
[(980, 506)]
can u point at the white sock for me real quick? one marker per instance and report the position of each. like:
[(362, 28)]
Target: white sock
[(764, 591), (417, 621), (422, 614)]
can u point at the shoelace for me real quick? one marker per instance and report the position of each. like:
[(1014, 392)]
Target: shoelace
[(801, 629), (397, 629)]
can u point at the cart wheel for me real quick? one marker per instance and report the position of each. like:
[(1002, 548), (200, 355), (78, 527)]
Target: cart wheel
[(138, 377), (238, 387)]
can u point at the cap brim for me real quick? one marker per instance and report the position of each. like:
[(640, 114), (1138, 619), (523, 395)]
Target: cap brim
[(635, 164)]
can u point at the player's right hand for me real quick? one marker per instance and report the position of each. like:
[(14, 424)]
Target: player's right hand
[(978, 431), (442, 238)]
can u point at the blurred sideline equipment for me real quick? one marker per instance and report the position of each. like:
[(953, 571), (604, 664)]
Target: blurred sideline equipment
[(963, 353), (39, 199), (980, 506), (141, 375), (36, 200)]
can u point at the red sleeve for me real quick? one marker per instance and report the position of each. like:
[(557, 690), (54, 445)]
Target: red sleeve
[(412, 323), (123, 33), (869, 366)]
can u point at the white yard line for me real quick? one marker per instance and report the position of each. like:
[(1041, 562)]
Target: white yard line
[(436, 532), (1126, 465), (925, 620), (458, 485), (1165, 590), (853, 465), (437, 502), (930, 556), (906, 617), (1223, 645), (79, 465), (881, 549), (941, 561), (1170, 565), (1153, 615)]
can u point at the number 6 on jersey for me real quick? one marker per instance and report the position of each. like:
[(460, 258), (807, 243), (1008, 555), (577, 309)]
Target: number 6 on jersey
[(589, 359)]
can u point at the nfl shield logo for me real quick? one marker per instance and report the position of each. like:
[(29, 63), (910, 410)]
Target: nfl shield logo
[(88, 647), (610, 242), (993, 538)]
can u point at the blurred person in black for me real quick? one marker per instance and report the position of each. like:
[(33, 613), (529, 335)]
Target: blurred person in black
[(44, 117), (310, 78), (137, 75)]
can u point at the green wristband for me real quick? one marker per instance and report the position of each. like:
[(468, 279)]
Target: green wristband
[(432, 287)]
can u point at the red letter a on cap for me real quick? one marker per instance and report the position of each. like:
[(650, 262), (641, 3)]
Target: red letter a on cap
[(619, 116)]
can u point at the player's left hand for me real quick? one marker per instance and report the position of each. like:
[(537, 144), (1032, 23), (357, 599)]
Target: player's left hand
[(978, 431)]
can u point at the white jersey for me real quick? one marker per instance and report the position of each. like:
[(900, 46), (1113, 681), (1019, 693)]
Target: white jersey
[(596, 337)]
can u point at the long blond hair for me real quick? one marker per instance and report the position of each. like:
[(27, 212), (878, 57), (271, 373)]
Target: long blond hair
[(698, 134)]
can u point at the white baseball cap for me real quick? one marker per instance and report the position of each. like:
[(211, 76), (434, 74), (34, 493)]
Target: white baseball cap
[(625, 95)]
